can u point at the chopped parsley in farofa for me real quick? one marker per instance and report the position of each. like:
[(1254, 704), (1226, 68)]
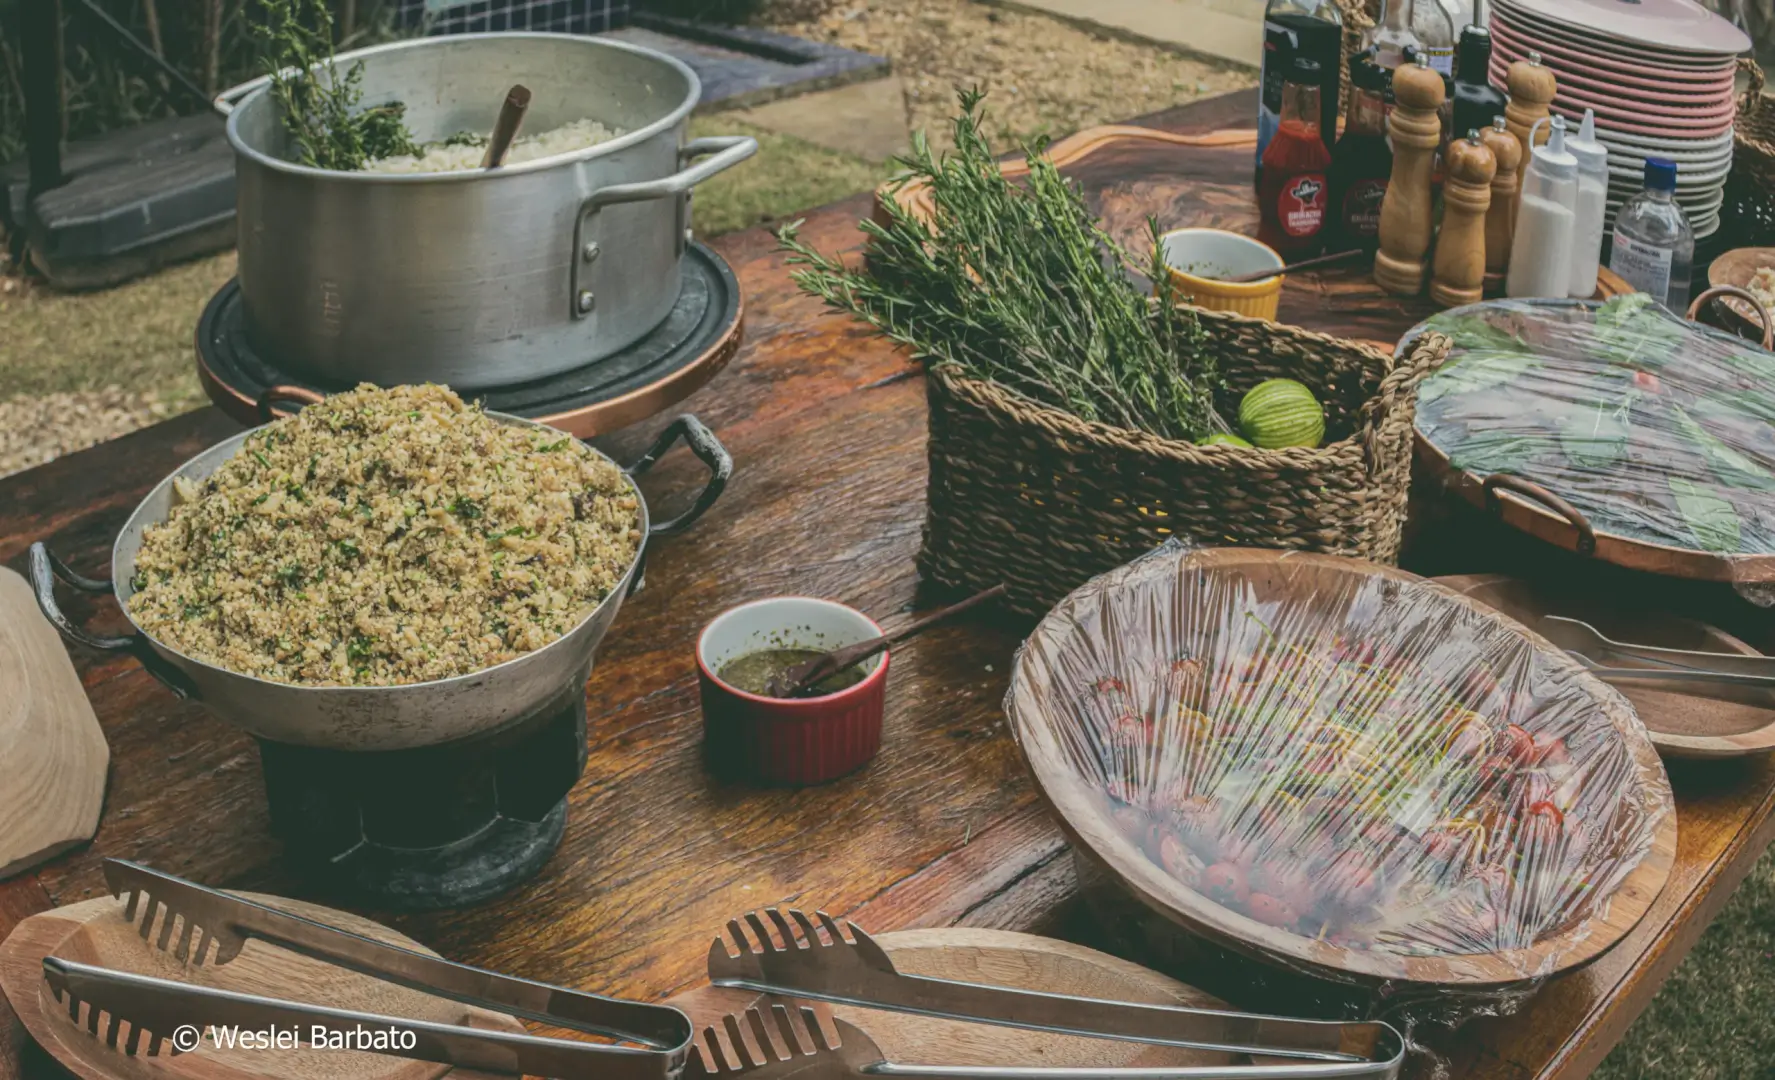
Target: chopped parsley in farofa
[(385, 537)]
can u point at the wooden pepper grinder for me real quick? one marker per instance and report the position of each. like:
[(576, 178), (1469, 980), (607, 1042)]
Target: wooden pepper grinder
[(1406, 221), (1532, 87), (1459, 277), (1500, 219)]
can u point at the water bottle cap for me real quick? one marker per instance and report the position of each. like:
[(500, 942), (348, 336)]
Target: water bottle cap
[(1660, 174)]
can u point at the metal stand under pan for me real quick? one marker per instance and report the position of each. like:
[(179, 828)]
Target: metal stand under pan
[(695, 341), (436, 826)]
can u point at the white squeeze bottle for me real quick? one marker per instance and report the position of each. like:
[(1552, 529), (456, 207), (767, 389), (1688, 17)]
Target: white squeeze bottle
[(1592, 204), (1540, 253)]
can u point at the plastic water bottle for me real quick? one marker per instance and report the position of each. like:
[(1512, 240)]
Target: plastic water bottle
[(1654, 245)]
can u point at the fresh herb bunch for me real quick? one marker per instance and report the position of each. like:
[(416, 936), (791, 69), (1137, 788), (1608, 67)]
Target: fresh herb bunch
[(1017, 284), (321, 110)]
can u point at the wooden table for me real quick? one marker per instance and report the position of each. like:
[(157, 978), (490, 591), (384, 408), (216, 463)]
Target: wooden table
[(827, 426)]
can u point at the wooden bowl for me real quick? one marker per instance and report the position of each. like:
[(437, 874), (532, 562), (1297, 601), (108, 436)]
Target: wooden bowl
[(1120, 637), (1736, 268), (1680, 725)]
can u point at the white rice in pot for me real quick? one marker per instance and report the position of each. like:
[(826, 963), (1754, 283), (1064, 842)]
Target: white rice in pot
[(457, 154)]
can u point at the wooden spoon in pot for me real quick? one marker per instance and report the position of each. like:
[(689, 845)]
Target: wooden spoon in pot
[(796, 681), (505, 129)]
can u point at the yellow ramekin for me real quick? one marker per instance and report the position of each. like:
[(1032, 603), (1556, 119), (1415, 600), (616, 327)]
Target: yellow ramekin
[(1193, 255)]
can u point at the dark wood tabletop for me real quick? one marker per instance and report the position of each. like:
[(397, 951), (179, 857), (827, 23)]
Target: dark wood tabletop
[(827, 428)]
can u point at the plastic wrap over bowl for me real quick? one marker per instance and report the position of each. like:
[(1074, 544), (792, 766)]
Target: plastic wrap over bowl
[(1342, 769)]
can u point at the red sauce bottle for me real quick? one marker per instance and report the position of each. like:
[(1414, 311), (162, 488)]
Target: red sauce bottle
[(1293, 194)]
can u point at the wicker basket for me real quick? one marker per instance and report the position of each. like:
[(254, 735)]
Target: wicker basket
[(1753, 131), (1042, 501)]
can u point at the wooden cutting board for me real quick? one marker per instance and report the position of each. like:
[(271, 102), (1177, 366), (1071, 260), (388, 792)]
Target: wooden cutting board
[(1005, 959), (53, 756), (95, 932)]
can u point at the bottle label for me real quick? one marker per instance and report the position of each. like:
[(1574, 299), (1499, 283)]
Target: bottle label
[(1442, 60), (1645, 266), (1362, 208), (1301, 206)]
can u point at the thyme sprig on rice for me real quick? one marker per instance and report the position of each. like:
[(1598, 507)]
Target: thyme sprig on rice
[(385, 537)]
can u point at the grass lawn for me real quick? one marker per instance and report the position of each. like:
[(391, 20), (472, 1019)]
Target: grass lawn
[(138, 336), (1715, 1020)]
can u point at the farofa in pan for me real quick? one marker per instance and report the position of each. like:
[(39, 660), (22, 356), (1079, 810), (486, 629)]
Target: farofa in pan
[(385, 537)]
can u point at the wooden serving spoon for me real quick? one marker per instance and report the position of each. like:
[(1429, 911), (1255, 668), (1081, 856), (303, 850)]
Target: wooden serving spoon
[(505, 129), (795, 681)]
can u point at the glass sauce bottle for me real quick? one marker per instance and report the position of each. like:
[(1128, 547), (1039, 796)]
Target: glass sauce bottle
[(1293, 194), (1291, 28), (1362, 163)]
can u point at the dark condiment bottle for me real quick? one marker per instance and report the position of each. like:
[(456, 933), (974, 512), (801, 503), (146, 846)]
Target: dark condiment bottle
[(1310, 28), (1476, 102), (1293, 192), (1362, 162)]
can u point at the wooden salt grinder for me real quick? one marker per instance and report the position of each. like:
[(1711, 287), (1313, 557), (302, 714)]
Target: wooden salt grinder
[(1532, 87), (1500, 219), (1460, 248), (1406, 221)]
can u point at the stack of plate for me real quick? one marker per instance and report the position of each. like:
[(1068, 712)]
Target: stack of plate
[(1659, 74)]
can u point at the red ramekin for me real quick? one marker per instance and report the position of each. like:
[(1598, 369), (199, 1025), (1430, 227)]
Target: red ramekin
[(796, 741)]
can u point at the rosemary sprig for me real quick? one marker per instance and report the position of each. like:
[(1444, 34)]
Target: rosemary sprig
[(1019, 285), (319, 104)]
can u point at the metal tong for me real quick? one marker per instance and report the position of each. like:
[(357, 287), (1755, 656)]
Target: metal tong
[(847, 967), (203, 918), (1682, 670)]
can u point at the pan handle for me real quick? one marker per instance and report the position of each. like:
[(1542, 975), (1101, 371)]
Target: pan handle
[(1756, 305), (46, 570), (287, 394), (1530, 489), (709, 451)]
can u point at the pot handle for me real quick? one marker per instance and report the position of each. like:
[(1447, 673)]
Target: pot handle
[(723, 153), (46, 570), (709, 451), (225, 102)]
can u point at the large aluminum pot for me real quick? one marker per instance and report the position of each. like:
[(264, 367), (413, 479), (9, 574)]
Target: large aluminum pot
[(370, 717), (482, 277)]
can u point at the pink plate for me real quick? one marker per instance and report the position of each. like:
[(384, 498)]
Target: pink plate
[(1675, 25), (1624, 111), (1619, 86), (1636, 74), (1575, 116), (1537, 30)]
